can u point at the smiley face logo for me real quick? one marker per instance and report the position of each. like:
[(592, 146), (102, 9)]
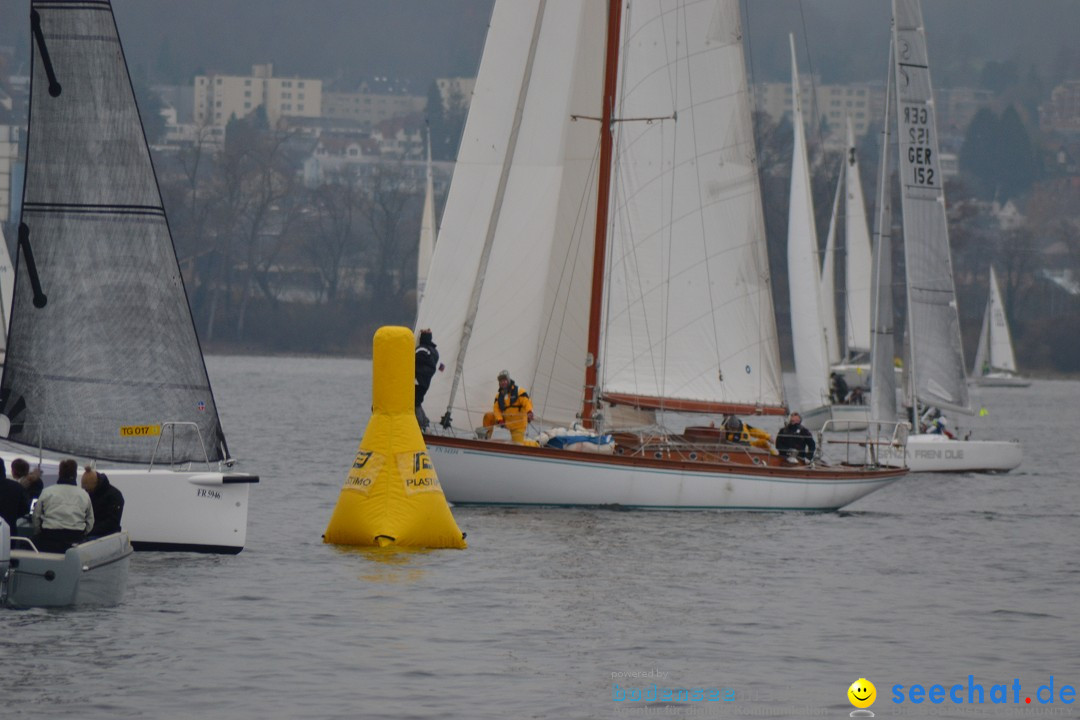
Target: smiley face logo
[(862, 693)]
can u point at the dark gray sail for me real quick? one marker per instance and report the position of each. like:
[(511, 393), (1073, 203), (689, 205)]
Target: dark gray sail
[(102, 345)]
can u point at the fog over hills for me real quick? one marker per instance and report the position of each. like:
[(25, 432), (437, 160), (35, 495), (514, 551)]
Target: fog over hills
[(171, 40)]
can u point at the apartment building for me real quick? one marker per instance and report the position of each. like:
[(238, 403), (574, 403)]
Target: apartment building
[(833, 104), (375, 101), (1062, 112), (221, 97)]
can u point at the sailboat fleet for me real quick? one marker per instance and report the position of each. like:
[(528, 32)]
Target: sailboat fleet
[(603, 239)]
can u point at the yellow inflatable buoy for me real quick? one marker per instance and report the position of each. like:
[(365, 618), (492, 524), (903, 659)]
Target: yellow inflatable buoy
[(392, 495)]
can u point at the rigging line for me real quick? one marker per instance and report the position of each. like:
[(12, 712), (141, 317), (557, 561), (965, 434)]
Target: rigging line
[(577, 235), (496, 210), (813, 82)]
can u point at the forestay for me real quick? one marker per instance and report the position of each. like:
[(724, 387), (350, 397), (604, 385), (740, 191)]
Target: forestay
[(114, 345)]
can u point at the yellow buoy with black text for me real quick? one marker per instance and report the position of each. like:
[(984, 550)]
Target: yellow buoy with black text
[(392, 495)]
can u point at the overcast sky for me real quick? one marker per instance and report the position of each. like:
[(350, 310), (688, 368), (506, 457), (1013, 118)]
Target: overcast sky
[(423, 39)]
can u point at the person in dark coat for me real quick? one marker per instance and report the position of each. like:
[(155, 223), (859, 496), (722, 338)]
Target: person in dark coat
[(107, 501), (13, 501), (29, 479), (795, 439), (427, 362), (839, 389)]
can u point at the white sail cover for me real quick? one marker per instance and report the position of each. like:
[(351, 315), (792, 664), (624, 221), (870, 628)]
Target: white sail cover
[(689, 307), (995, 349), (828, 279), (937, 363), (427, 230), (510, 277), (857, 272), (807, 332)]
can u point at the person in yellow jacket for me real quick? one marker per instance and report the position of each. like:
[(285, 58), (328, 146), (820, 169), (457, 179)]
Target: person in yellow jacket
[(512, 409)]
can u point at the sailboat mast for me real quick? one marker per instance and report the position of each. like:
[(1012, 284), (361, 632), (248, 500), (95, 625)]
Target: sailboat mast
[(603, 195)]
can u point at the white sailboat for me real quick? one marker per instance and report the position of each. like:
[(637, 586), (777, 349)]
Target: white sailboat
[(103, 363), (426, 247), (854, 366), (936, 366), (582, 113), (995, 361), (809, 319)]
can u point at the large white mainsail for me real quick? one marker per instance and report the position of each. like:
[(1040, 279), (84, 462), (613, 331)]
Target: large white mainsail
[(808, 335), (689, 319), (510, 277), (995, 349), (937, 359), (857, 269)]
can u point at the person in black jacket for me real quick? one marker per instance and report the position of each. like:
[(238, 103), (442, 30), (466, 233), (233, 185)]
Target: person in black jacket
[(107, 501), (795, 439), (427, 362), (13, 501)]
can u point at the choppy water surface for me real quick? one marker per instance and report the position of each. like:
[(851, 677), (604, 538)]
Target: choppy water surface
[(928, 581)]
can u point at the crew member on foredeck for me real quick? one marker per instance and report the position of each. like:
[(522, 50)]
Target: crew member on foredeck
[(512, 409)]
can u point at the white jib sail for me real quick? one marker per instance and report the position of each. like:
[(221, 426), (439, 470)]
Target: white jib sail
[(808, 336), (857, 274)]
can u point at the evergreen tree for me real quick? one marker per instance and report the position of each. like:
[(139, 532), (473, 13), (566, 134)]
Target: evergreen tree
[(1016, 157), (978, 153)]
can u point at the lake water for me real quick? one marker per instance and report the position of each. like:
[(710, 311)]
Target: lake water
[(928, 581)]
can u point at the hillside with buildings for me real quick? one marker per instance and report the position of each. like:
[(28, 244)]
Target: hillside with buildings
[(294, 199)]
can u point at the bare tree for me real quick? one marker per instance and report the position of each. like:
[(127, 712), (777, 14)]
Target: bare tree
[(388, 196), (337, 219)]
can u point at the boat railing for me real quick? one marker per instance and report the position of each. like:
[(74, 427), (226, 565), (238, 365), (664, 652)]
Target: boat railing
[(873, 444), (172, 425)]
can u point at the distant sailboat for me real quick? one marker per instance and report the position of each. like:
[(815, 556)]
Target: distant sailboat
[(854, 364), (995, 361), (809, 320), (936, 366)]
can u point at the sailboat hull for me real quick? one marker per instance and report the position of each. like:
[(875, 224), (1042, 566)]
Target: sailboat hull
[(476, 472), (1001, 380), (189, 511), (938, 453)]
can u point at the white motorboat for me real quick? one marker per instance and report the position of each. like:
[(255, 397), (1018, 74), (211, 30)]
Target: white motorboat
[(89, 573)]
